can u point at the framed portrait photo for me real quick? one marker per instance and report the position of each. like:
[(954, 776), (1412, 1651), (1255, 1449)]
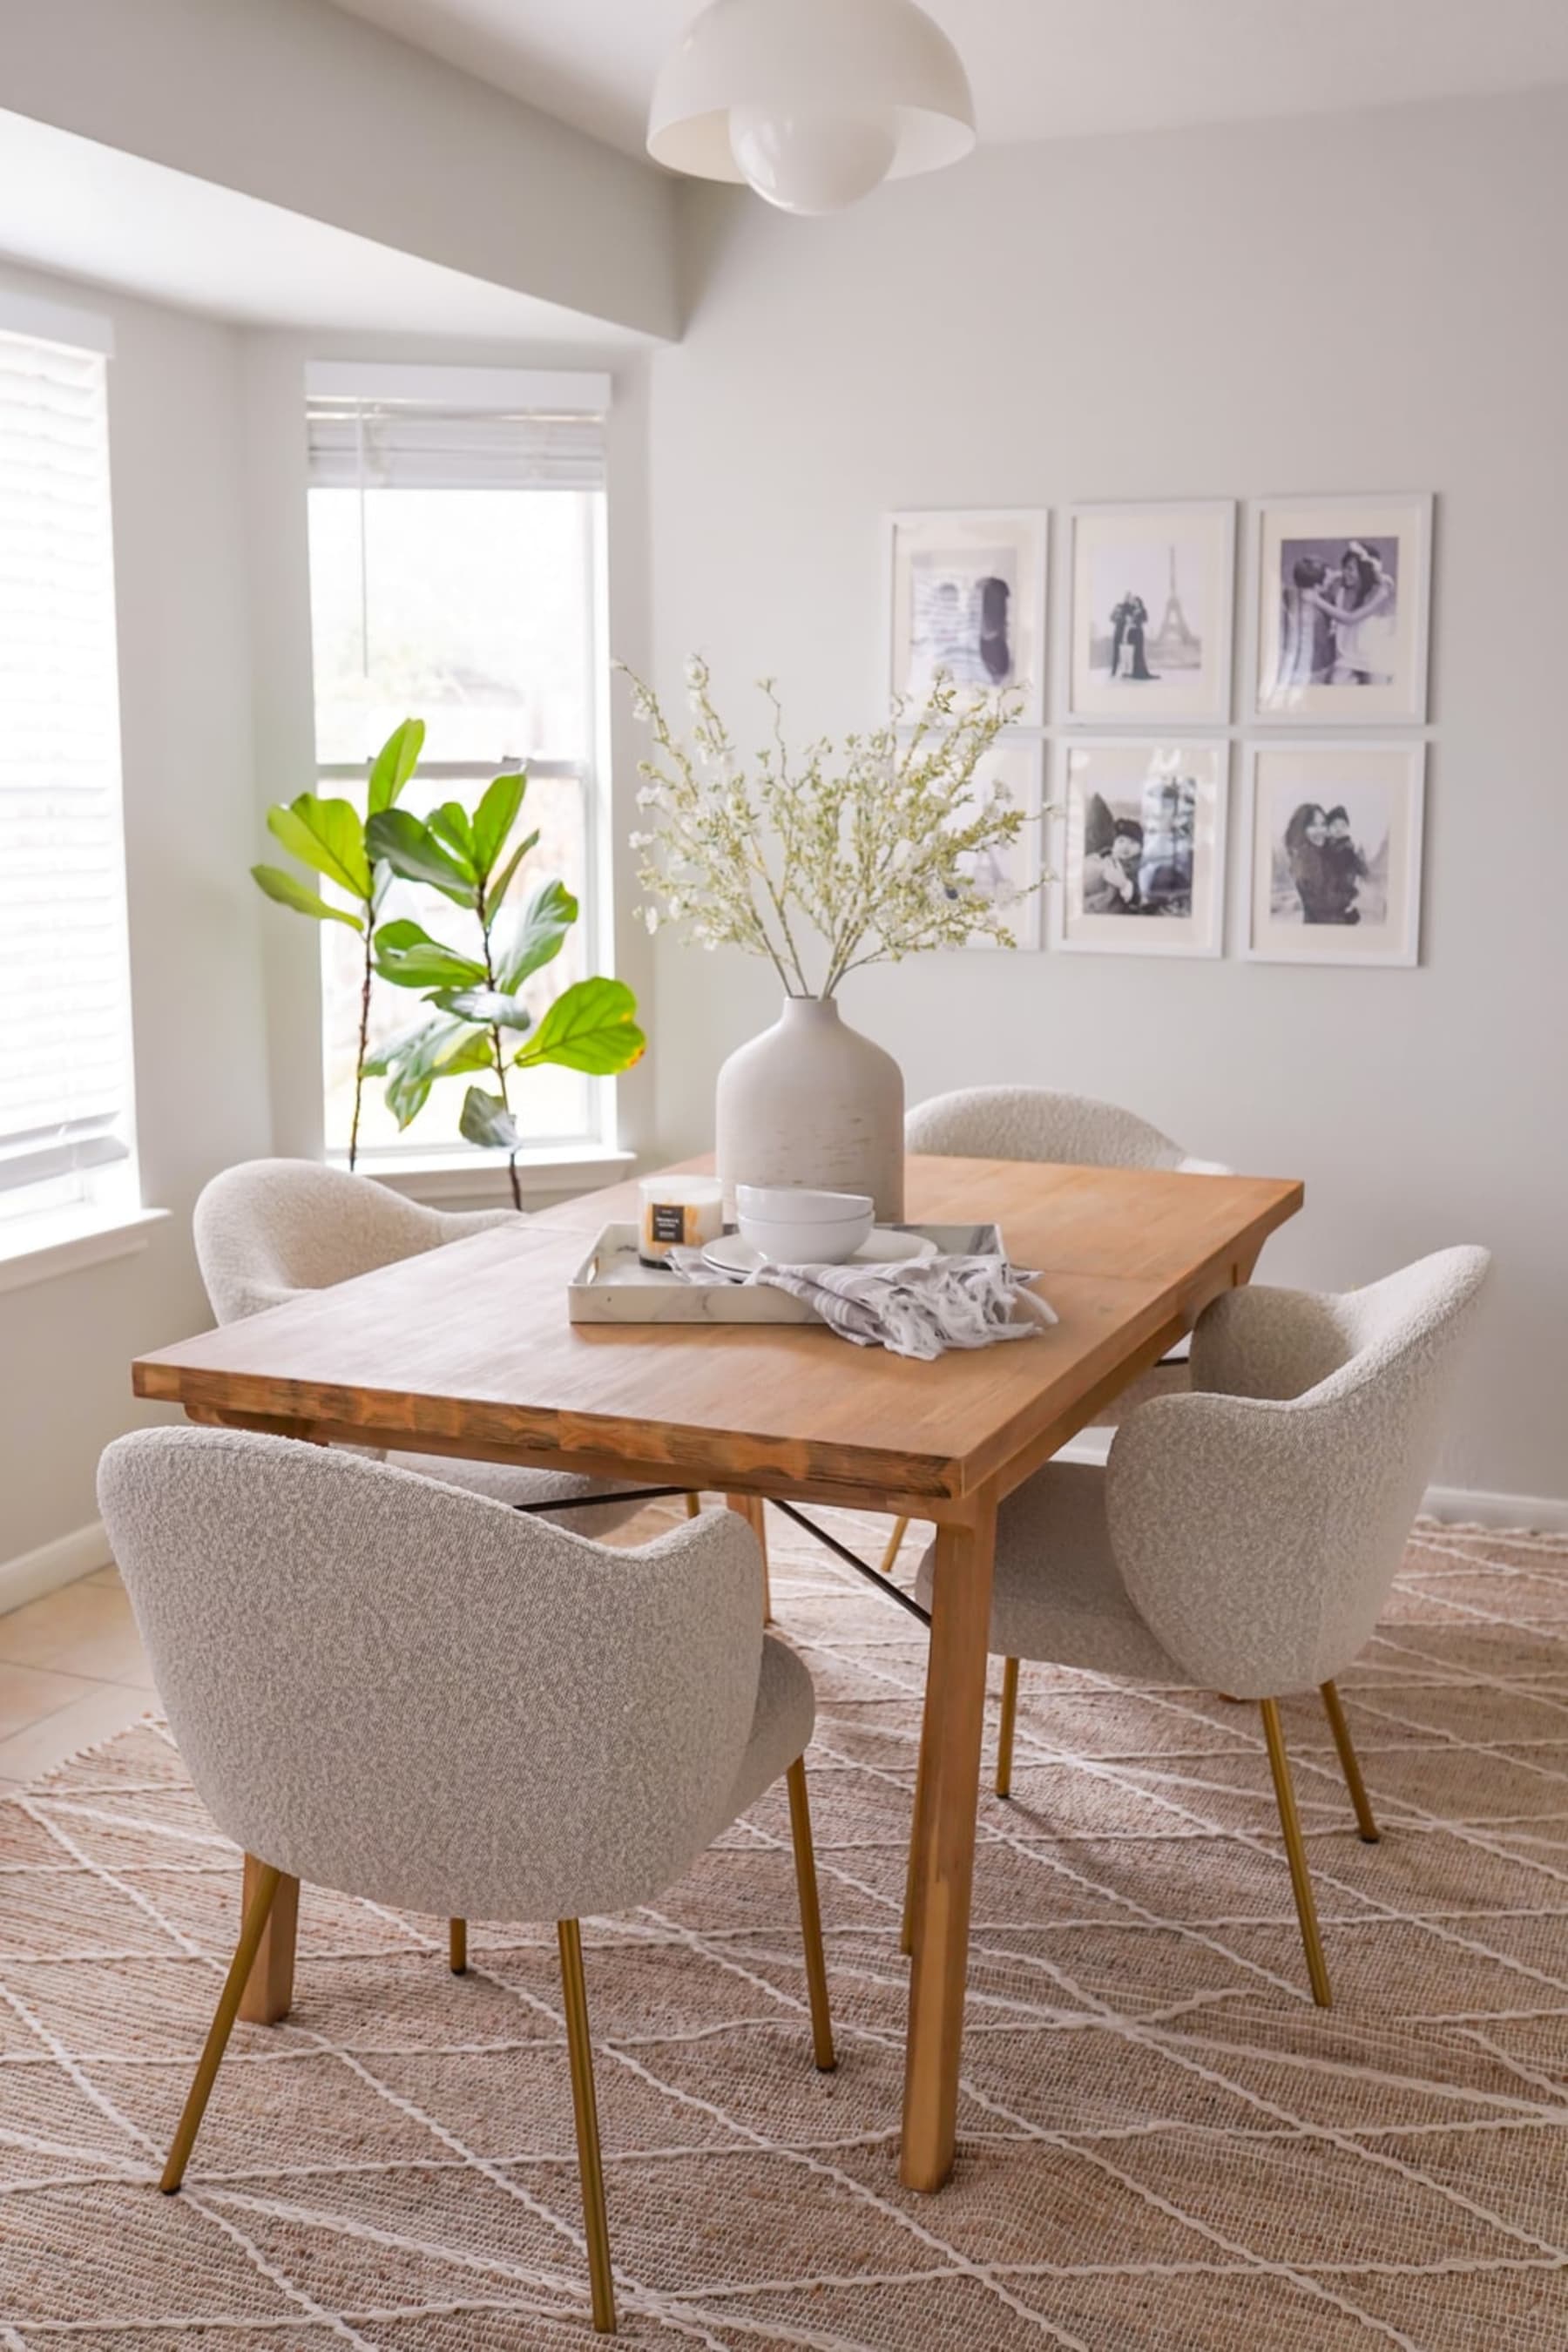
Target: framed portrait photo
[(966, 594), (1333, 859), (1342, 591), (1151, 628), (1007, 881), (1140, 862)]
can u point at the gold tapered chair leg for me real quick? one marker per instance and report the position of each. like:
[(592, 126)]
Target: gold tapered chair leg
[(810, 1917), (252, 1929), (693, 1506), (1296, 1852), (457, 1945), (1005, 1730), (890, 1558), (589, 2170), (1350, 1763)]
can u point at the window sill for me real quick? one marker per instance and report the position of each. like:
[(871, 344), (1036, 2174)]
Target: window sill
[(476, 1180), (39, 1248)]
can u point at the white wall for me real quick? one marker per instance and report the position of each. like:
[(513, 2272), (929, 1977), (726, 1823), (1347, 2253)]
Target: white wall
[(304, 105), (66, 1344), (1368, 302)]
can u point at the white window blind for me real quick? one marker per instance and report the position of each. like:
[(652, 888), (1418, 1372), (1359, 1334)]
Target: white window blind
[(407, 446), (65, 1096)]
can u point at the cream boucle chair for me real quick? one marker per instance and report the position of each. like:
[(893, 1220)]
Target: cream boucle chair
[(411, 1694), (1244, 1536), (269, 1229), (1032, 1123)]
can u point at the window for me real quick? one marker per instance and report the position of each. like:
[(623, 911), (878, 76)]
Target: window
[(65, 1057), (456, 576)]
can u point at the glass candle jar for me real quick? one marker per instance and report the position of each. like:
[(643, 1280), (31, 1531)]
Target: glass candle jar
[(678, 1211)]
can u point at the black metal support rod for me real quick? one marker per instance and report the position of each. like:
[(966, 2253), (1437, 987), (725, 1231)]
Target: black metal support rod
[(597, 1501), (884, 1584)]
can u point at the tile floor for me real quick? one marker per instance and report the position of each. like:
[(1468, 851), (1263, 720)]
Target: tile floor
[(71, 1672)]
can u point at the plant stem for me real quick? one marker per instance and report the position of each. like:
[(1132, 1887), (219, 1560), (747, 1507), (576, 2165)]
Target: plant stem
[(364, 1042), (499, 1053)]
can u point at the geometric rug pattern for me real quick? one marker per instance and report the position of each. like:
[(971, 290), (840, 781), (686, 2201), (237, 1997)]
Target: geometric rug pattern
[(1163, 2143)]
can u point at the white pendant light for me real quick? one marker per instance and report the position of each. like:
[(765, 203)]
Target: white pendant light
[(812, 102)]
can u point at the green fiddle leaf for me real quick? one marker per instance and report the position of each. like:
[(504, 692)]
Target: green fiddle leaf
[(496, 891), (326, 834), (549, 915), (450, 822), (494, 818), (589, 1028), (487, 1122), (413, 1062), (393, 764), (490, 1005), (406, 955), (289, 891), (412, 850)]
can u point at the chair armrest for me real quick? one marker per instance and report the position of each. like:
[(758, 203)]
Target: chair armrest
[(1253, 1341), (1217, 1518)]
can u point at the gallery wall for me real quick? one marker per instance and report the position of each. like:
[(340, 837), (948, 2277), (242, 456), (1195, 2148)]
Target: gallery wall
[(1361, 303)]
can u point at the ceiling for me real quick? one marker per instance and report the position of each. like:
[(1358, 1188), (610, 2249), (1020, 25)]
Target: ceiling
[(1041, 69), (68, 204)]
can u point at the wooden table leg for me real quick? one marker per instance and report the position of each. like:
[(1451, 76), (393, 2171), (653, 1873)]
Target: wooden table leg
[(268, 1993), (752, 1509), (948, 1794)]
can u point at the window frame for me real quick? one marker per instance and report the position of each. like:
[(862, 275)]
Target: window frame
[(490, 391), (103, 1216)]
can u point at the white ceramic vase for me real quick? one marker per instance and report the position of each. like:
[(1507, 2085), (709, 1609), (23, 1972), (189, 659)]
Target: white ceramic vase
[(813, 1102)]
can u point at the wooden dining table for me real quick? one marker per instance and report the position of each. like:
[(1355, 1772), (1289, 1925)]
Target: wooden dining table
[(468, 1352)]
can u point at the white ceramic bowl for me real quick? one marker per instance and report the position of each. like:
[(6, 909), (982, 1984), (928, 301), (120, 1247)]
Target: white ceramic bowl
[(806, 1241), (799, 1204)]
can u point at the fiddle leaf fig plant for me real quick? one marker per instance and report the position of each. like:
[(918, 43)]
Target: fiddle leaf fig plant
[(478, 1020), (329, 836), (477, 1023)]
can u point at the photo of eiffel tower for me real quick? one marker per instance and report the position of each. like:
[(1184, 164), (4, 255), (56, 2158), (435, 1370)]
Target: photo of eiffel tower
[(1174, 645)]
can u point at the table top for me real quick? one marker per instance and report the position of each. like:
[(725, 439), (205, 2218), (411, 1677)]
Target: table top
[(468, 1349)]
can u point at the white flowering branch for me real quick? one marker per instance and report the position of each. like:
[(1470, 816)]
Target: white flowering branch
[(870, 848)]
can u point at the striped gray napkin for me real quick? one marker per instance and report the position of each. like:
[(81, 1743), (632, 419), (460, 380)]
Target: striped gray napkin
[(918, 1308)]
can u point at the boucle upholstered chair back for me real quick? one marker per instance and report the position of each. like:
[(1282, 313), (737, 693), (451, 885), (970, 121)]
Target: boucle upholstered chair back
[(272, 1227), (381, 1684), (1258, 1521), (1031, 1123)]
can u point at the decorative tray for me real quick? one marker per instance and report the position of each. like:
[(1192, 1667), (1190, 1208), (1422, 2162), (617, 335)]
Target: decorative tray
[(613, 1286)]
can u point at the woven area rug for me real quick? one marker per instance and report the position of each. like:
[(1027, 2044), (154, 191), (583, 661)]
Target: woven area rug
[(1163, 2143)]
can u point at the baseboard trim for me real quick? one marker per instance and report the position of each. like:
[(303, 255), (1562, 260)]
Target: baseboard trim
[(1543, 1515), (33, 1573), (1471, 1507)]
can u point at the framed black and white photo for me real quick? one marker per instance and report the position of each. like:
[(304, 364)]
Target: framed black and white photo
[(967, 596), (1342, 591), (1140, 863), (1002, 878), (1151, 626), (1333, 859)]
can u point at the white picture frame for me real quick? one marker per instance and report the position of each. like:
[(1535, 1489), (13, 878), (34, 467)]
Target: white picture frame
[(966, 591), (1323, 893), (1019, 761), (1150, 614), (1368, 559), (1105, 900)]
